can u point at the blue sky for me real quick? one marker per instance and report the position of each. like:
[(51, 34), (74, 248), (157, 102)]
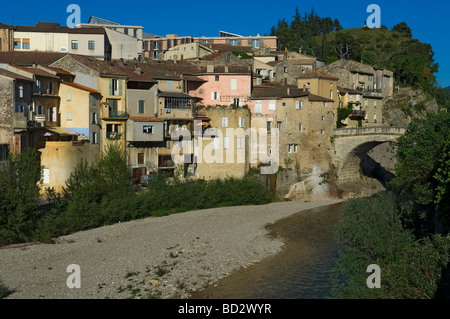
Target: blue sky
[(428, 20)]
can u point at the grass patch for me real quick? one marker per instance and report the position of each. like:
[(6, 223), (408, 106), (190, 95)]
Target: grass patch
[(4, 290)]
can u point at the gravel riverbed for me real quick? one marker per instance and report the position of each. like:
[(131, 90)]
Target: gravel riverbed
[(156, 257)]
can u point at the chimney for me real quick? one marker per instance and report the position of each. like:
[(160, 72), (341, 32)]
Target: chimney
[(226, 68), (210, 68), (304, 88), (288, 91)]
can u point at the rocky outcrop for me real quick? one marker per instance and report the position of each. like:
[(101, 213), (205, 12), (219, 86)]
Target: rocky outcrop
[(407, 103)]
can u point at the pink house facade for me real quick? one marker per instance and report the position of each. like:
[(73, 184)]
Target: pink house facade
[(224, 87)]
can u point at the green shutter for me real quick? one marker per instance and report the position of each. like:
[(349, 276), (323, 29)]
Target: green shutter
[(120, 87), (111, 87)]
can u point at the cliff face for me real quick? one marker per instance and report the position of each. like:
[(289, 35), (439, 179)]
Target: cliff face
[(407, 103)]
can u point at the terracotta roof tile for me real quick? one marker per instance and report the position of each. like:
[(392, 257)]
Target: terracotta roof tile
[(318, 74), (81, 87)]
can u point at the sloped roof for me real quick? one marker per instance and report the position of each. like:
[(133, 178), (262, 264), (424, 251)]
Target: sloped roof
[(51, 27), (267, 91), (30, 58), (81, 87), (14, 75), (318, 74), (37, 71)]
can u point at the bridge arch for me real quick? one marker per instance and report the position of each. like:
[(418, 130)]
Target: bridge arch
[(352, 145)]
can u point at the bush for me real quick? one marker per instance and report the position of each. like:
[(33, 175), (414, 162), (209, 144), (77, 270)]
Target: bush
[(371, 232), (19, 192)]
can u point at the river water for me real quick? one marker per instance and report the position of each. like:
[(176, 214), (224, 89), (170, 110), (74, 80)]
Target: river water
[(300, 271)]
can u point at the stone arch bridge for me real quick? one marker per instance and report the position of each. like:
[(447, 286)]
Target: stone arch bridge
[(352, 144)]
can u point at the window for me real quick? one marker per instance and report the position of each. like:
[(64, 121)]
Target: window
[(228, 58), (331, 94), (94, 138), (241, 122), (26, 44), (49, 87), (135, 33), (322, 132), (290, 148), (285, 69), (295, 148), (215, 96), (141, 104), (322, 118), (69, 116), (46, 176), (279, 126), (255, 44), (226, 142), (269, 126), (17, 43), (224, 121), (74, 44), (234, 42), (115, 87), (233, 84), (94, 118), (125, 30), (216, 143), (169, 85), (236, 101), (38, 86), (300, 127), (298, 105), (206, 41), (20, 90), (69, 96), (240, 143), (40, 110), (147, 129), (91, 45), (217, 78), (258, 107), (272, 105), (52, 116)]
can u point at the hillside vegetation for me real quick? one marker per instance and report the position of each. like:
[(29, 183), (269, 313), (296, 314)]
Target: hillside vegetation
[(411, 60)]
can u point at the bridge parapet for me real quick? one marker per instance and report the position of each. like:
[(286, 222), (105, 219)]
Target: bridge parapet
[(391, 130)]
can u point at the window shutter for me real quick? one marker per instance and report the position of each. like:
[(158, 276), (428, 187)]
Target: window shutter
[(216, 143), (224, 121), (212, 96), (225, 141), (120, 87), (111, 87)]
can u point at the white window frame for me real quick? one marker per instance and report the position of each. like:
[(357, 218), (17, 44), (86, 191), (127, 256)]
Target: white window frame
[(233, 84), (272, 105), (258, 107), (225, 121), (241, 122)]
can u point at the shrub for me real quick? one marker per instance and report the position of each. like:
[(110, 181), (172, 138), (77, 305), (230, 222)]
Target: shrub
[(19, 192)]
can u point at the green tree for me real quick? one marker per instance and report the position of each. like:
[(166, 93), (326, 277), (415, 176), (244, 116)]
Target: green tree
[(19, 193), (421, 153), (369, 57), (403, 28), (371, 232)]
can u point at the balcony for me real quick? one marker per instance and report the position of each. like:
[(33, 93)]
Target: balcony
[(118, 114), (357, 115)]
